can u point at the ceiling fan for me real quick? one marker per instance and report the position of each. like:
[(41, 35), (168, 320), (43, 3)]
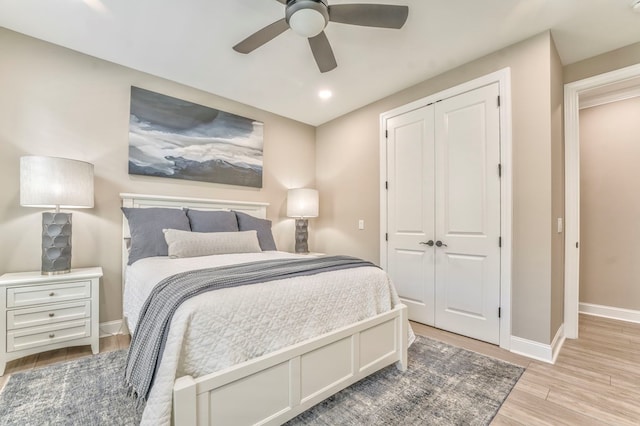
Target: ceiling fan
[(308, 18)]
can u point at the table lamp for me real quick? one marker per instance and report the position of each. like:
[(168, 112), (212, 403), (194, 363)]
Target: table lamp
[(302, 203), (53, 182)]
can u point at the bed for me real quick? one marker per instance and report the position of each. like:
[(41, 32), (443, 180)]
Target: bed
[(221, 365)]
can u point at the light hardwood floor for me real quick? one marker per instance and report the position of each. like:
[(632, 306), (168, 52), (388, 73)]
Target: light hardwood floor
[(595, 381)]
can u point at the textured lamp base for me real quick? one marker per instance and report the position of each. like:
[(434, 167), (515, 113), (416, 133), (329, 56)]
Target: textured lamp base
[(56, 243), (302, 233)]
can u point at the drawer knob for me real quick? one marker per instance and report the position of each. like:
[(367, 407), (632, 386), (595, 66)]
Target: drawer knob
[(52, 294), (51, 314), (52, 335)]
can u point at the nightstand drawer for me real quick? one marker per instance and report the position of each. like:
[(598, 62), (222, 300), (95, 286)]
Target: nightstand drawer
[(51, 314), (47, 293), (34, 337)]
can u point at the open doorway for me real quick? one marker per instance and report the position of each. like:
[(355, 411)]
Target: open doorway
[(612, 86)]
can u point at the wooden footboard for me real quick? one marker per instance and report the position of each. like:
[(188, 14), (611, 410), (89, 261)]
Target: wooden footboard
[(274, 388)]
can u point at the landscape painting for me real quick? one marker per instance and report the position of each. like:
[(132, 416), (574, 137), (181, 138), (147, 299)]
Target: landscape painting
[(172, 138)]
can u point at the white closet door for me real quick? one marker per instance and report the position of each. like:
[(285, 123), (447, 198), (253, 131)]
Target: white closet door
[(410, 210), (467, 200)]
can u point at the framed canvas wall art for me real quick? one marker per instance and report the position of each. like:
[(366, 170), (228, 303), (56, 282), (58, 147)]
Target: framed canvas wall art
[(173, 138)]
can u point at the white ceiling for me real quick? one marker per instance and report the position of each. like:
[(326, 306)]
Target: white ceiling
[(189, 41)]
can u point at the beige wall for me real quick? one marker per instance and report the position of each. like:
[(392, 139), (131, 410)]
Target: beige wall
[(57, 102), (610, 61), (557, 197), (347, 168), (609, 205)]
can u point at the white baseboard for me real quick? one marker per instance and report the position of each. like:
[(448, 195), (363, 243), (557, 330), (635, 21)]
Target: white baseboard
[(621, 314), (111, 328), (537, 350), (557, 343)]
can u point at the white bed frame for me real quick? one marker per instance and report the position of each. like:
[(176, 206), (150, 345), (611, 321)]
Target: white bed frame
[(276, 387)]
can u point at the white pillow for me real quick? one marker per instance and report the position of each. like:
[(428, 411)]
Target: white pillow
[(192, 244)]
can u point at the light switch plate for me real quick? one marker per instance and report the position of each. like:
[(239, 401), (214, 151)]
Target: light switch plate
[(361, 224)]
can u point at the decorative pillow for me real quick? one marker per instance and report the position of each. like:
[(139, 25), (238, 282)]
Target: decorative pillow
[(146, 225), (192, 244), (212, 221), (247, 222)]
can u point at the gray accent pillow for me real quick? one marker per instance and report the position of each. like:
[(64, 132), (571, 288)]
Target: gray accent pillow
[(212, 221), (247, 222), (146, 225), (193, 244)]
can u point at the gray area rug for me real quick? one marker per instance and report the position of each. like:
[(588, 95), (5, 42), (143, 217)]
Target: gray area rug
[(444, 385), (85, 391)]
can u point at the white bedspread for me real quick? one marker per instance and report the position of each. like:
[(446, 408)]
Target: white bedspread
[(225, 327)]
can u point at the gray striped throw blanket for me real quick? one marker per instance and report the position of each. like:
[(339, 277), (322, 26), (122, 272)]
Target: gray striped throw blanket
[(147, 344)]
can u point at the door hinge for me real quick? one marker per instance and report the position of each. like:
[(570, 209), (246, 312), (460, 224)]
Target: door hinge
[(577, 245), (386, 134), (499, 241), (498, 101), (386, 184), (499, 312), (499, 170), (386, 236)]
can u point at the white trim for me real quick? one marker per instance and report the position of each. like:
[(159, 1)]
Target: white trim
[(506, 207), (503, 78), (572, 92), (571, 212), (620, 314), (557, 343), (537, 350), (607, 98), (168, 201), (111, 328)]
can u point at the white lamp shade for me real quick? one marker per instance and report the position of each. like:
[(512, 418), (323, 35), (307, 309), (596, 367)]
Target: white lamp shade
[(302, 202), (55, 182), (307, 22)]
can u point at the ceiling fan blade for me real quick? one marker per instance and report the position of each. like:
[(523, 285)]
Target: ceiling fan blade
[(283, 2), (369, 15), (322, 52), (262, 36)]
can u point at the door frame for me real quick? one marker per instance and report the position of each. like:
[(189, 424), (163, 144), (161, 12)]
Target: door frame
[(503, 78), (572, 93)]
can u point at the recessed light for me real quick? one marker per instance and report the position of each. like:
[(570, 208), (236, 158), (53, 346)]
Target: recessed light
[(326, 94), (96, 5)]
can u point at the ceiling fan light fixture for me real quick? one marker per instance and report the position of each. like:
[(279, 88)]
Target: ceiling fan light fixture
[(307, 18)]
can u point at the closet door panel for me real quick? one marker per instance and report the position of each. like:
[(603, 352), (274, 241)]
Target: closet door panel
[(458, 297), (410, 211), (467, 220), (464, 173)]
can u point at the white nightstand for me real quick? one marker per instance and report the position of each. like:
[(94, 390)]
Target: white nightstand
[(43, 312)]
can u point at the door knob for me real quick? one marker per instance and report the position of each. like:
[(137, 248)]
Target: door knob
[(441, 244), (427, 243)]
